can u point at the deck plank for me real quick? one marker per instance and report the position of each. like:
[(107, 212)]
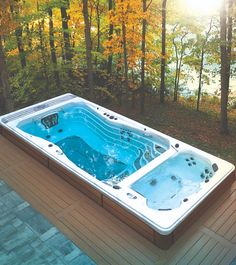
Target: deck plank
[(228, 229), (46, 182), (182, 246), (119, 230), (84, 232), (221, 255), (228, 257), (84, 244), (42, 191), (211, 256), (194, 250), (220, 207), (233, 240), (222, 219), (211, 240), (27, 192), (9, 156), (203, 252), (114, 239)]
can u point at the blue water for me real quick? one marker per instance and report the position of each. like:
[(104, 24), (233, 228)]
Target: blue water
[(170, 184), (92, 161), (104, 149)]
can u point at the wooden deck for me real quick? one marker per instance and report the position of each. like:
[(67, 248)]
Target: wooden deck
[(211, 240)]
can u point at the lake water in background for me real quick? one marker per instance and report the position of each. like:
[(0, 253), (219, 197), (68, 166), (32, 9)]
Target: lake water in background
[(212, 89)]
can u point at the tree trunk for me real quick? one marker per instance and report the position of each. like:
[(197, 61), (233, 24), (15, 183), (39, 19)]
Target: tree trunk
[(29, 37), (18, 34), (110, 58), (143, 48), (119, 90), (229, 39), (52, 49), (41, 41), (125, 54), (223, 72), (4, 82), (178, 65), (43, 54), (176, 68), (124, 50), (178, 74), (51, 37), (202, 65), (65, 29), (200, 78), (88, 45), (98, 28), (225, 51), (163, 52)]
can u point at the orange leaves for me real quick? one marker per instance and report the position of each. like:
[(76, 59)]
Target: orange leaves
[(128, 12), (13, 52), (6, 22), (113, 46)]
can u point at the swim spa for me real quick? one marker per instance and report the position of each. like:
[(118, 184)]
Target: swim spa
[(153, 182)]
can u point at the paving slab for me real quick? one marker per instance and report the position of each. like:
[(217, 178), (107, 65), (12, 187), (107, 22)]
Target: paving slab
[(27, 237)]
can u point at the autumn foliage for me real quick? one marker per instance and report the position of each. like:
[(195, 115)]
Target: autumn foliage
[(46, 48)]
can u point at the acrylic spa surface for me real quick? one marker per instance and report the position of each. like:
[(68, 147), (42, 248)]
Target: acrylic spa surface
[(157, 178), (105, 150)]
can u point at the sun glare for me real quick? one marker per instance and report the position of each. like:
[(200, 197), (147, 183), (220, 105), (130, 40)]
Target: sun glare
[(201, 7)]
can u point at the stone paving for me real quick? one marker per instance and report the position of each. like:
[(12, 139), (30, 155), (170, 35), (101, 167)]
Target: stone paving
[(27, 238)]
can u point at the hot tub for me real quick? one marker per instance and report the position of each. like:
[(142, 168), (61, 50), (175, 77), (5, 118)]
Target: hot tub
[(151, 181)]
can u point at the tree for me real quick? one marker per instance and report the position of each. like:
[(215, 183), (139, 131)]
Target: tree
[(143, 48), (143, 58), (52, 47), (225, 54), (163, 51), (6, 26), (203, 51), (15, 6), (51, 37), (126, 38), (4, 81), (88, 43), (65, 30), (42, 47), (98, 19), (124, 7), (110, 33), (179, 50)]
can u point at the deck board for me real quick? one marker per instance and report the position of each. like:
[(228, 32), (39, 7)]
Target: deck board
[(204, 251), (221, 209), (107, 240), (40, 191), (119, 231), (113, 239), (228, 257), (211, 256)]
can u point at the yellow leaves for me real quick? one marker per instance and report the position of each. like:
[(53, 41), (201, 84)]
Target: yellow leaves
[(129, 14)]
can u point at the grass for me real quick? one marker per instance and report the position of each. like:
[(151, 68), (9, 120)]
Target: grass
[(181, 121)]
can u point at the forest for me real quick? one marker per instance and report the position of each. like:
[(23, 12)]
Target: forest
[(139, 55)]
